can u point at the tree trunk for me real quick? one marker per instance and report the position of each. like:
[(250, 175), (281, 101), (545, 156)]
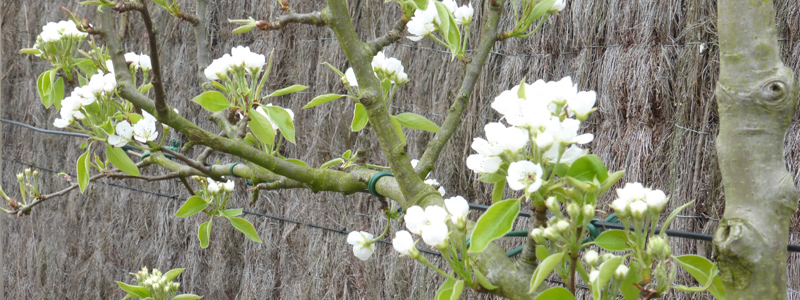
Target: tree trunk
[(757, 97)]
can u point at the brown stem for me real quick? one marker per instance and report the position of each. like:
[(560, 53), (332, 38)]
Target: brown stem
[(158, 86), (314, 18)]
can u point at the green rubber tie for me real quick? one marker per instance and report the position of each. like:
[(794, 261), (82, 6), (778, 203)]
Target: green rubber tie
[(233, 166), (145, 155), (374, 180)]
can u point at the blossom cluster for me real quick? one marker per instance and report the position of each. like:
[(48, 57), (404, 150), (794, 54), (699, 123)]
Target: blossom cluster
[(424, 22), (156, 283), (636, 201), (594, 260), (241, 58), (72, 107), (431, 223), (139, 61), (215, 187), (53, 32), (384, 67), (549, 115)]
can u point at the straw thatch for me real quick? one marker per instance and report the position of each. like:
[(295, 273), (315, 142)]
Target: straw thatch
[(653, 63)]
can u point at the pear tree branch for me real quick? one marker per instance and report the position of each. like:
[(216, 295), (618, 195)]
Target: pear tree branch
[(313, 18)]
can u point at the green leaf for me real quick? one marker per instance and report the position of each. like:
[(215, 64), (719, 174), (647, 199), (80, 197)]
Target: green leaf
[(334, 69), (186, 297), (121, 160), (453, 36), (32, 51), (672, 217), (212, 101), (398, 129), (135, 118), (607, 270), (297, 162), (172, 274), (261, 127), (234, 212), (134, 291), (44, 92), (562, 169), (628, 290), (541, 252), (444, 16), (521, 91), (204, 233), (483, 281), (421, 4), (493, 224), (287, 90), (704, 271), (497, 191), (539, 10), (544, 269), (245, 227), (360, 118), (219, 86), (611, 180), (346, 155), (450, 290), (161, 3), (613, 240), (57, 93), (556, 293), (193, 205), (84, 164), (332, 162), (415, 121), (283, 119), (322, 99), (587, 168), (491, 178), (244, 28)]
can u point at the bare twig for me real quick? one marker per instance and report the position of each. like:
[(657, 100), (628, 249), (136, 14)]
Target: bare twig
[(392, 36), (187, 185), (190, 162), (314, 18), (158, 85)]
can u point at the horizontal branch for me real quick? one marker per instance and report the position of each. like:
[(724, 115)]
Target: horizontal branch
[(392, 35), (314, 18)]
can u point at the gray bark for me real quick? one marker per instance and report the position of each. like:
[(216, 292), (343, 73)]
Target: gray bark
[(757, 97)]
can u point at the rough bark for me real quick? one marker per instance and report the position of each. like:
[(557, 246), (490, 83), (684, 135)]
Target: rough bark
[(757, 97)]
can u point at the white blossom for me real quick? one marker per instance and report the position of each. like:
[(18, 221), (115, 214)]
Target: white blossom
[(638, 209), (621, 207), (415, 219), (562, 225), (404, 243), (133, 59), (451, 5), (435, 234), (559, 5), (422, 23), (458, 207), (145, 63), (524, 175), (124, 133), (145, 130), (463, 14), (656, 200), (362, 244), (228, 186), (433, 182), (569, 156), (483, 164), (213, 186), (350, 77), (218, 68), (632, 191), (582, 104)]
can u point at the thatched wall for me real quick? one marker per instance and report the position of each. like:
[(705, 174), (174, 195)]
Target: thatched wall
[(653, 63)]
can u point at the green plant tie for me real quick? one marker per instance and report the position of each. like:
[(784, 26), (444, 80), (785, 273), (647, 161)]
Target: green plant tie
[(233, 166), (374, 180), (145, 155), (595, 231)]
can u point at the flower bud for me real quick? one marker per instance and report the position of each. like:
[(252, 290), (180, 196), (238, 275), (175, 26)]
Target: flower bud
[(573, 210), (404, 243), (562, 226), (621, 272), (593, 275), (537, 234), (552, 204), (588, 211), (621, 207), (591, 258), (551, 233), (658, 248), (606, 256), (20, 177), (28, 172), (638, 209), (656, 200)]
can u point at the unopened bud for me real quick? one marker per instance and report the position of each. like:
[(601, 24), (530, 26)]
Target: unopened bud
[(20, 177), (591, 258), (537, 234), (638, 209), (551, 233), (552, 204), (562, 226), (573, 210), (606, 256), (621, 272), (658, 248), (27, 172), (588, 211)]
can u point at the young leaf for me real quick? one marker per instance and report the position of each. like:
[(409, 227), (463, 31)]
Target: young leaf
[(444, 16), (483, 281), (261, 127), (360, 118), (84, 164), (671, 217), (245, 227), (296, 162), (322, 99), (57, 93), (628, 290), (703, 270), (613, 240), (121, 160), (171, 274), (186, 297), (541, 252), (449, 289), (332, 162), (287, 90), (493, 224), (556, 293), (212, 101), (491, 178), (398, 129), (204, 233), (283, 119), (587, 168), (234, 212), (334, 69), (134, 291), (44, 94), (539, 10), (544, 269), (415, 121), (421, 4), (607, 270), (193, 205), (497, 192)]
